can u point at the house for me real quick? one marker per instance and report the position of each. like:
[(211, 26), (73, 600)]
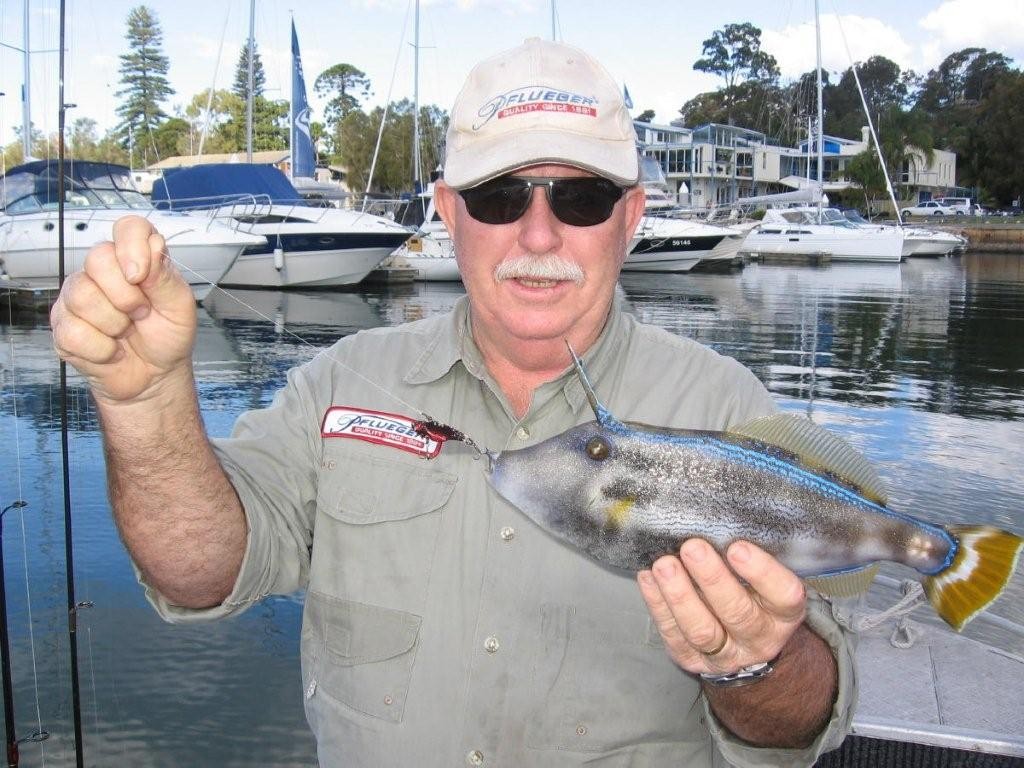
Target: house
[(720, 164)]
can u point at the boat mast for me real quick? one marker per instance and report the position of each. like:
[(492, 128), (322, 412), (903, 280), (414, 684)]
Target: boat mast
[(553, 37), (417, 181), (821, 119), (26, 101), (248, 99)]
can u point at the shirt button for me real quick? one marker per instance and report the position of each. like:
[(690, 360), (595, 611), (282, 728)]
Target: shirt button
[(522, 433), (475, 757), (508, 533), (491, 644)]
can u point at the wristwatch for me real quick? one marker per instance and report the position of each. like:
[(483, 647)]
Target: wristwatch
[(744, 676)]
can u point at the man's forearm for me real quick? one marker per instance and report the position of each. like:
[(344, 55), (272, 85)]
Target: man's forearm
[(176, 510), (790, 707)]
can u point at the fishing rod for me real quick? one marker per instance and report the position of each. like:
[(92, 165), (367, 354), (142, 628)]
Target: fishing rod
[(69, 563), (5, 660)]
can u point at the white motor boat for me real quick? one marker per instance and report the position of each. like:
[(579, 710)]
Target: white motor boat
[(306, 246), (95, 196), (430, 251), (917, 241), (664, 244), (802, 231)]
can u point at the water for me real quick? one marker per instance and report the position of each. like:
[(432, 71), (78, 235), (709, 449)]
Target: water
[(920, 365)]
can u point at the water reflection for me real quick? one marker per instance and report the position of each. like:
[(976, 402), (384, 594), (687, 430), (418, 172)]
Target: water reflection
[(920, 365)]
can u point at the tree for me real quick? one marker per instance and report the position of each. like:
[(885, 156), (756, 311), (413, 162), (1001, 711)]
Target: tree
[(357, 136), (224, 132), (906, 141), (865, 171), (346, 85), (144, 77), (884, 85), (259, 77), (646, 116), (734, 53), (964, 76)]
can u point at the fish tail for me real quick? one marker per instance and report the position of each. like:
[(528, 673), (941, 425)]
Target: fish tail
[(984, 562)]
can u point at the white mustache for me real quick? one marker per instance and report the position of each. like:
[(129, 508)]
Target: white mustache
[(546, 267)]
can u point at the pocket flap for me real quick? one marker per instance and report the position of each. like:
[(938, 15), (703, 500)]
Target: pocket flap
[(358, 633), (374, 490)]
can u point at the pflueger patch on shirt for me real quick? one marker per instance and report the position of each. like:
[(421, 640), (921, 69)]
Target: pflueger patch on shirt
[(390, 429)]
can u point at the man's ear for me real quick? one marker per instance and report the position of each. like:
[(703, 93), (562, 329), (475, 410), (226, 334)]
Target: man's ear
[(635, 200), (446, 202)]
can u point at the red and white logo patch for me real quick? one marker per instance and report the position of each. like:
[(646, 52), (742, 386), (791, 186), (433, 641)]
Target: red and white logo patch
[(390, 429)]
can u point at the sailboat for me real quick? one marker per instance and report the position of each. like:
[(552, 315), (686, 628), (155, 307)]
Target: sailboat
[(807, 232)]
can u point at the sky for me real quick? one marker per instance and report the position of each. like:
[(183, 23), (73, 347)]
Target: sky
[(648, 45)]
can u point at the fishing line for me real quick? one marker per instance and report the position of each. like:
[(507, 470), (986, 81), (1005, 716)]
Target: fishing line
[(431, 427)]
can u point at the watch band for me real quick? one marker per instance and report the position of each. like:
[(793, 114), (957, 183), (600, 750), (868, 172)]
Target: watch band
[(745, 676)]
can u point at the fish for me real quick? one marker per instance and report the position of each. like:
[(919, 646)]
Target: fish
[(626, 494)]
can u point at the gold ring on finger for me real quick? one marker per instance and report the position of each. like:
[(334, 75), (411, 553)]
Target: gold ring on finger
[(718, 648)]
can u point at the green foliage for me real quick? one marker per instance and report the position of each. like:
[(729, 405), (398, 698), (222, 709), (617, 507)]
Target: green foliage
[(751, 104), (144, 77), (356, 137), (646, 116), (734, 53), (885, 86), (865, 171), (259, 77), (346, 85)]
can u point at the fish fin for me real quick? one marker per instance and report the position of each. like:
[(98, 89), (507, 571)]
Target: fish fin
[(819, 450), (984, 562), (845, 584), (602, 414)]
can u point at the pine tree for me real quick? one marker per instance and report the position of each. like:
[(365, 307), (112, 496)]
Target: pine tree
[(144, 77), (259, 77)]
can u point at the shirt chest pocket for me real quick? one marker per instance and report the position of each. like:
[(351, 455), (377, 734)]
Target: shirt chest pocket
[(606, 682), (376, 529)]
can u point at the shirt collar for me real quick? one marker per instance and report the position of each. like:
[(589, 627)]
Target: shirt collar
[(455, 343)]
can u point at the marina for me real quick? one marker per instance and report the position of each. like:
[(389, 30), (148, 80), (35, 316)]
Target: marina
[(918, 364)]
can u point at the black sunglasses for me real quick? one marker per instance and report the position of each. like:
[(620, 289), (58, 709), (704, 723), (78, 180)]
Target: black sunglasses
[(577, 201)]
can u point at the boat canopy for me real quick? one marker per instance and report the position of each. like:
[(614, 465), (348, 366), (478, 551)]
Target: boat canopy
[(216, 184), (35, 187)]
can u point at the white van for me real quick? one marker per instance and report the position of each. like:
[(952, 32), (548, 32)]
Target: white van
[(961, 205)]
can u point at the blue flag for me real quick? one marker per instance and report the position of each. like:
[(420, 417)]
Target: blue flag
[(625, 97), (303, 156)]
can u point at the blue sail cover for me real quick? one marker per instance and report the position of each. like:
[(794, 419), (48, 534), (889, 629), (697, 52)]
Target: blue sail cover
[(303, 156), (208, 186)]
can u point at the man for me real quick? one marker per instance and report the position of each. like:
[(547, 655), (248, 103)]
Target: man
[(440, 626)]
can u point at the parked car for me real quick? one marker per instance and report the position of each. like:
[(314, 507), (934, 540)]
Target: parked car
[(929, 208), (961, 205), (1011, 210)]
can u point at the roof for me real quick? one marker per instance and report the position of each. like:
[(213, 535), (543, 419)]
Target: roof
[(268, 157)]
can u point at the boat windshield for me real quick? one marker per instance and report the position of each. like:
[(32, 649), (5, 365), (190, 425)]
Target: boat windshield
[(829, 216), (35, 187)]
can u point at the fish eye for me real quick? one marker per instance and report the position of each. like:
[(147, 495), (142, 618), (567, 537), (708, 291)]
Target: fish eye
[(598, 448)]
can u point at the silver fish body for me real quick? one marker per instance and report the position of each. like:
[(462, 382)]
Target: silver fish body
[(627, 494)]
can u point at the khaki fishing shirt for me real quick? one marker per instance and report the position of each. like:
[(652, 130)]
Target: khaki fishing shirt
[(441, 626)]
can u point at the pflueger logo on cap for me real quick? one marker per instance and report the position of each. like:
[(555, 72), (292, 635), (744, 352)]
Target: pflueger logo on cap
[(536, 98), (390, 429)]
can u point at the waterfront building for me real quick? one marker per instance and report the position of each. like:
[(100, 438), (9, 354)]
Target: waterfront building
[(719, 164)]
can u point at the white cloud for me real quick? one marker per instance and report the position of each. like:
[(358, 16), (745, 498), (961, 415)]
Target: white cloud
[(794, 46), (994, 24)]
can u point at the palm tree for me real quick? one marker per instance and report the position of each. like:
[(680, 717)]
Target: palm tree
[(907, 143)]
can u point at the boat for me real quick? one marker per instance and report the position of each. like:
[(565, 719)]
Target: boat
[(95, 196), (917, 241), (306, 246), (669, 244), (824, 232), (430, 251)]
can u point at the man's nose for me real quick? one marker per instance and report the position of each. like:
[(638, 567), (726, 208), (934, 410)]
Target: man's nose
[(540, 229)]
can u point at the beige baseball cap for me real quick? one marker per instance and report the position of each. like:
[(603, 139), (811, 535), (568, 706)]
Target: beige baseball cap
[(541, 102)]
